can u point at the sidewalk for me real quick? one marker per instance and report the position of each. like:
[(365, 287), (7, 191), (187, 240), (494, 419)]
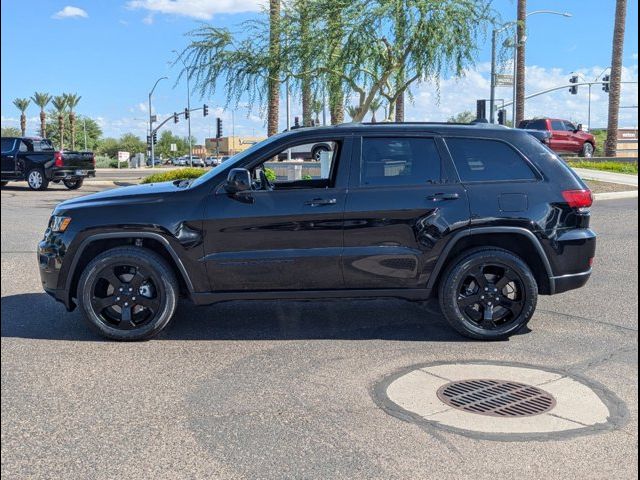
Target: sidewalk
[(610, 177)]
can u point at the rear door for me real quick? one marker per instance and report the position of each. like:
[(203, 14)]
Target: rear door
[(8, 157), (402, 203)]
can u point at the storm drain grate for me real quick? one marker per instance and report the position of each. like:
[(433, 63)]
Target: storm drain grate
[(496, 398)]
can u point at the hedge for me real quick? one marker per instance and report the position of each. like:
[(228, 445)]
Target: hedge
[(170, 175)]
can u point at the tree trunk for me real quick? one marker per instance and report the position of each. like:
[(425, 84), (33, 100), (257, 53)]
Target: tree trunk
[(72, 125), (400, 34), (23, 124), (307, 100), (520, 63), (615, 78), (399, 107), (273, 87), (334, 82), (61, 131), (43, 124)]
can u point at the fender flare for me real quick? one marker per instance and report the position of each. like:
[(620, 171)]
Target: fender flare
[(444, 256), (128, 234)]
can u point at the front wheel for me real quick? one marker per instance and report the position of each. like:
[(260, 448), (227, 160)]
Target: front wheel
[(587, 150), (128, 293), (73, 184), (488, 294), (37, 180)]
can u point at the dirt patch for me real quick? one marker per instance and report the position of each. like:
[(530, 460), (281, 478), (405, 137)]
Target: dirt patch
[(606, 187)]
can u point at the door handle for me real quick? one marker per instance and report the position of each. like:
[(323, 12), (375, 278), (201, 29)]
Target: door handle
[(443, 196), (318, 202)]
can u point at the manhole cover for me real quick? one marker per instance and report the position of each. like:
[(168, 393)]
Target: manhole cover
[(496, 398)]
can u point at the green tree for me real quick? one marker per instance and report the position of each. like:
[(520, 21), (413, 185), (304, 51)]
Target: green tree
[(72, 102), (93, 130), (22, 104), (42, 99), (462, 117), (10, 132), (132, 143), (163, 147), (108, 147)]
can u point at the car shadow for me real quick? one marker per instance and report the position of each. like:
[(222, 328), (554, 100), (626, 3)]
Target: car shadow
[(38, 316)]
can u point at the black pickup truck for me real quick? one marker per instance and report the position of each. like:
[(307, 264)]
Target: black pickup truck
[(39, 163)]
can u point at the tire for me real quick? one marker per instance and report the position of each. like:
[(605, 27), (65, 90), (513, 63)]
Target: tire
[(587, 150), (73, 184), (472, 290), (154, 284), (37, 180)]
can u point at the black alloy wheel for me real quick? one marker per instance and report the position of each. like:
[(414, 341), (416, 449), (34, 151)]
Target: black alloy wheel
[(128, 293), (488, 294)]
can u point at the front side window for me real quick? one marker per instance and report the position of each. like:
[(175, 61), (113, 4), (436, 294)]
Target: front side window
[(484, 160), (570, 126), (558, 125), (399, 161)]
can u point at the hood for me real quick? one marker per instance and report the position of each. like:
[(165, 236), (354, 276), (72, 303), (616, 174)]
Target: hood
[(136, 194)]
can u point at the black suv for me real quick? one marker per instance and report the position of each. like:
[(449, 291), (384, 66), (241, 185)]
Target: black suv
[(484, 217)]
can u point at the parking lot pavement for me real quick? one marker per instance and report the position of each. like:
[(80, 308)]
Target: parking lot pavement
[(286, 389)]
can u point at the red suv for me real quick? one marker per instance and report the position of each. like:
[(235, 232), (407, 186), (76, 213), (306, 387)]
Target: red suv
[(566, 137)]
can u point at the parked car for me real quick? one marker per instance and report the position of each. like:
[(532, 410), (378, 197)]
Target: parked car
[(212, 161), (180, 161), (565, 136), (310, 151), (156, 161), (36, 161), (196, 162), (485, 218)]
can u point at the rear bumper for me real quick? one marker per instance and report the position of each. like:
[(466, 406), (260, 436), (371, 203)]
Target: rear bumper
[(572, 256), (68, 173)]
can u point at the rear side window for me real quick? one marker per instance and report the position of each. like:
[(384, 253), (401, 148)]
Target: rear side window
[(399, 161), (7, 145), (537, 124), (42, 146), (480, 160)]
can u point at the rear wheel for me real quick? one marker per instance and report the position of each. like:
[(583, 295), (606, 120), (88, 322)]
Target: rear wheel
[(37, 180), (73, 184), (488, 294), (128, 293), (587, 150)]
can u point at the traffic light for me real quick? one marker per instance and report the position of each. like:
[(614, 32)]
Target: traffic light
[(218, 127), (186, 113), (573, 89), (205, 110), (481, 109), (502, 116), (296, 122), (175, 117), (149, 141), (605, 83), (155, 137)]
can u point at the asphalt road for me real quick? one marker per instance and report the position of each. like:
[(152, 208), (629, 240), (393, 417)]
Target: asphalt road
[(283, 389)]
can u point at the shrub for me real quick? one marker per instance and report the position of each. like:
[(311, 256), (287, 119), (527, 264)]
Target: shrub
[(271, 174), (105, 162), (612, 166), (179, 174)]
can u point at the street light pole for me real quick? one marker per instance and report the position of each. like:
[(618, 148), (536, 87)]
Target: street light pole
[(492, 97), (153, 163), (188, 108)]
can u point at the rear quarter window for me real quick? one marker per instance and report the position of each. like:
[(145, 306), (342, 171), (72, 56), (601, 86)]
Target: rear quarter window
[(484, 160), (7, 145)]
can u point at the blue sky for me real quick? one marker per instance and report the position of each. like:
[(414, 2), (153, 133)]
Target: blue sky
[(111, 52)]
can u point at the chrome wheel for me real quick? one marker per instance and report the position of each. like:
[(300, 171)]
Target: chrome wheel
[(35, 179)]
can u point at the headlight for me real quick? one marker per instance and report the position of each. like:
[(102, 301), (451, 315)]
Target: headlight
[(59, 223)]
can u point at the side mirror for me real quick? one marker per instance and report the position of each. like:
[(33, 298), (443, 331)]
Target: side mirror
[(238, 181), (579, 128)]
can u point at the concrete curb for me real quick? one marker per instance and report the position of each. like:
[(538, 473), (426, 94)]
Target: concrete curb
[(616, 195)]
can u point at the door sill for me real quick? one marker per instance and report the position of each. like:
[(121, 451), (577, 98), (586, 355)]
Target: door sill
[(208, 298)]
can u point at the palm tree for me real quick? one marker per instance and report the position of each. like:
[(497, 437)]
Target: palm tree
[(273, 87), (374, 106), (72, 100), (59, 103), (42, 100), (614, 79), (520, 61), (353, 111), (22, 104)]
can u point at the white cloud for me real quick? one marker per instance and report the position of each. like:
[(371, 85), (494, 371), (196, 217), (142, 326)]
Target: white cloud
[(200, 9), (70, 12)]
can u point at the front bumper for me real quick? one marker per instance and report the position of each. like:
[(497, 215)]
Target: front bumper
[(49, 256)]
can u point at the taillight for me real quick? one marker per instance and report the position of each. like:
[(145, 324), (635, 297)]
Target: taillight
[(578, 198), (57, 156)]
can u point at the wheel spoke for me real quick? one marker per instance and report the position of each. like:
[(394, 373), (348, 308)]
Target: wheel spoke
[(507, 278), (478, 275), (111, 277), (140, 276), (125, 318), (514, 306), (488, 314), (150, 303), (100, 304), (464, 302)]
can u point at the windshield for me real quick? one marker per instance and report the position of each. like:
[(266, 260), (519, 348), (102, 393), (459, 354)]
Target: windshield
[(235, 159)]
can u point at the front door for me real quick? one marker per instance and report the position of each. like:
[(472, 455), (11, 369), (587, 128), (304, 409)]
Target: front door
[(402, 202), (287, 233)]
